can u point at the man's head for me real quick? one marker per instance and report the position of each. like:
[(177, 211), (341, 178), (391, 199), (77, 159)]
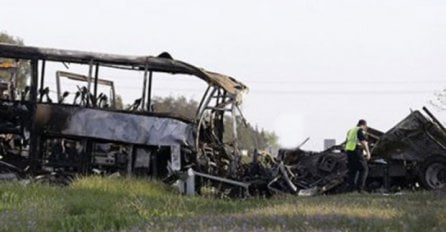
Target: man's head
[(362, 123)]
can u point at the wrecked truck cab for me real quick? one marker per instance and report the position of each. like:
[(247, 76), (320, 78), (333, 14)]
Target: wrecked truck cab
[(414, 151), (84, 135)]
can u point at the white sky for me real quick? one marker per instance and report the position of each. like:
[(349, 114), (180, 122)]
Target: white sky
[(313, 67)]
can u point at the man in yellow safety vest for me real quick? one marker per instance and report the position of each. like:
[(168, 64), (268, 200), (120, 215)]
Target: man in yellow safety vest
[(355, 147)]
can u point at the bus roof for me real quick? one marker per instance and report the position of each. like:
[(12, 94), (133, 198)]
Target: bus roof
[(162, 63)]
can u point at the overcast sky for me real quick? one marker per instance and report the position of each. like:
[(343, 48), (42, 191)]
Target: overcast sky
[(313, 67)]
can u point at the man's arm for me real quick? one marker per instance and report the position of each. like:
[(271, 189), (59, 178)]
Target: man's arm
[(365, 145)]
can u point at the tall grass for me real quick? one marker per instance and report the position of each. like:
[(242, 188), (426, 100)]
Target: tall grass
[(104, 204)]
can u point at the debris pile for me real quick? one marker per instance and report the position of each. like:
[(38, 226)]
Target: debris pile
[(300, 172)]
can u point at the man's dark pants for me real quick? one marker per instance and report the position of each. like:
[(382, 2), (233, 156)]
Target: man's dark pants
[(357, 163)]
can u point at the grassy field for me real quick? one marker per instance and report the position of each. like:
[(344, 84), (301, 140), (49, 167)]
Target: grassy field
[(103, 204)]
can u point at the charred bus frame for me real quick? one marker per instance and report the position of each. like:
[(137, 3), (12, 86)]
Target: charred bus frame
[(144, 129)]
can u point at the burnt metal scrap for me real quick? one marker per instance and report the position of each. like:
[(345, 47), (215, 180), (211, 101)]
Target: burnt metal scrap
[(82, 132), (319, 172), (299, 172), (411, 155)]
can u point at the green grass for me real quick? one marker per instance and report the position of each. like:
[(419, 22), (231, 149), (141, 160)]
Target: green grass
[(104, 204)]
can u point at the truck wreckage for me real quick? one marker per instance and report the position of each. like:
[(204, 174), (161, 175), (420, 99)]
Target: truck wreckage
[(53, 141), (410, 155)]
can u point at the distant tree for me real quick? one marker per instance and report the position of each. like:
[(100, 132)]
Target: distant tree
[(23, 67), (272, 139), (180, 107), (249, 137), (119, 104)]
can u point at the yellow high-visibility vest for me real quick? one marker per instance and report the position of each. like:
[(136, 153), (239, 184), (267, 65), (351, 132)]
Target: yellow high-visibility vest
[(352, 139)]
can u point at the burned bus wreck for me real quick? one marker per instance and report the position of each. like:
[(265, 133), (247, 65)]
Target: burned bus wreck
[(55, 137), (83, 132)]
